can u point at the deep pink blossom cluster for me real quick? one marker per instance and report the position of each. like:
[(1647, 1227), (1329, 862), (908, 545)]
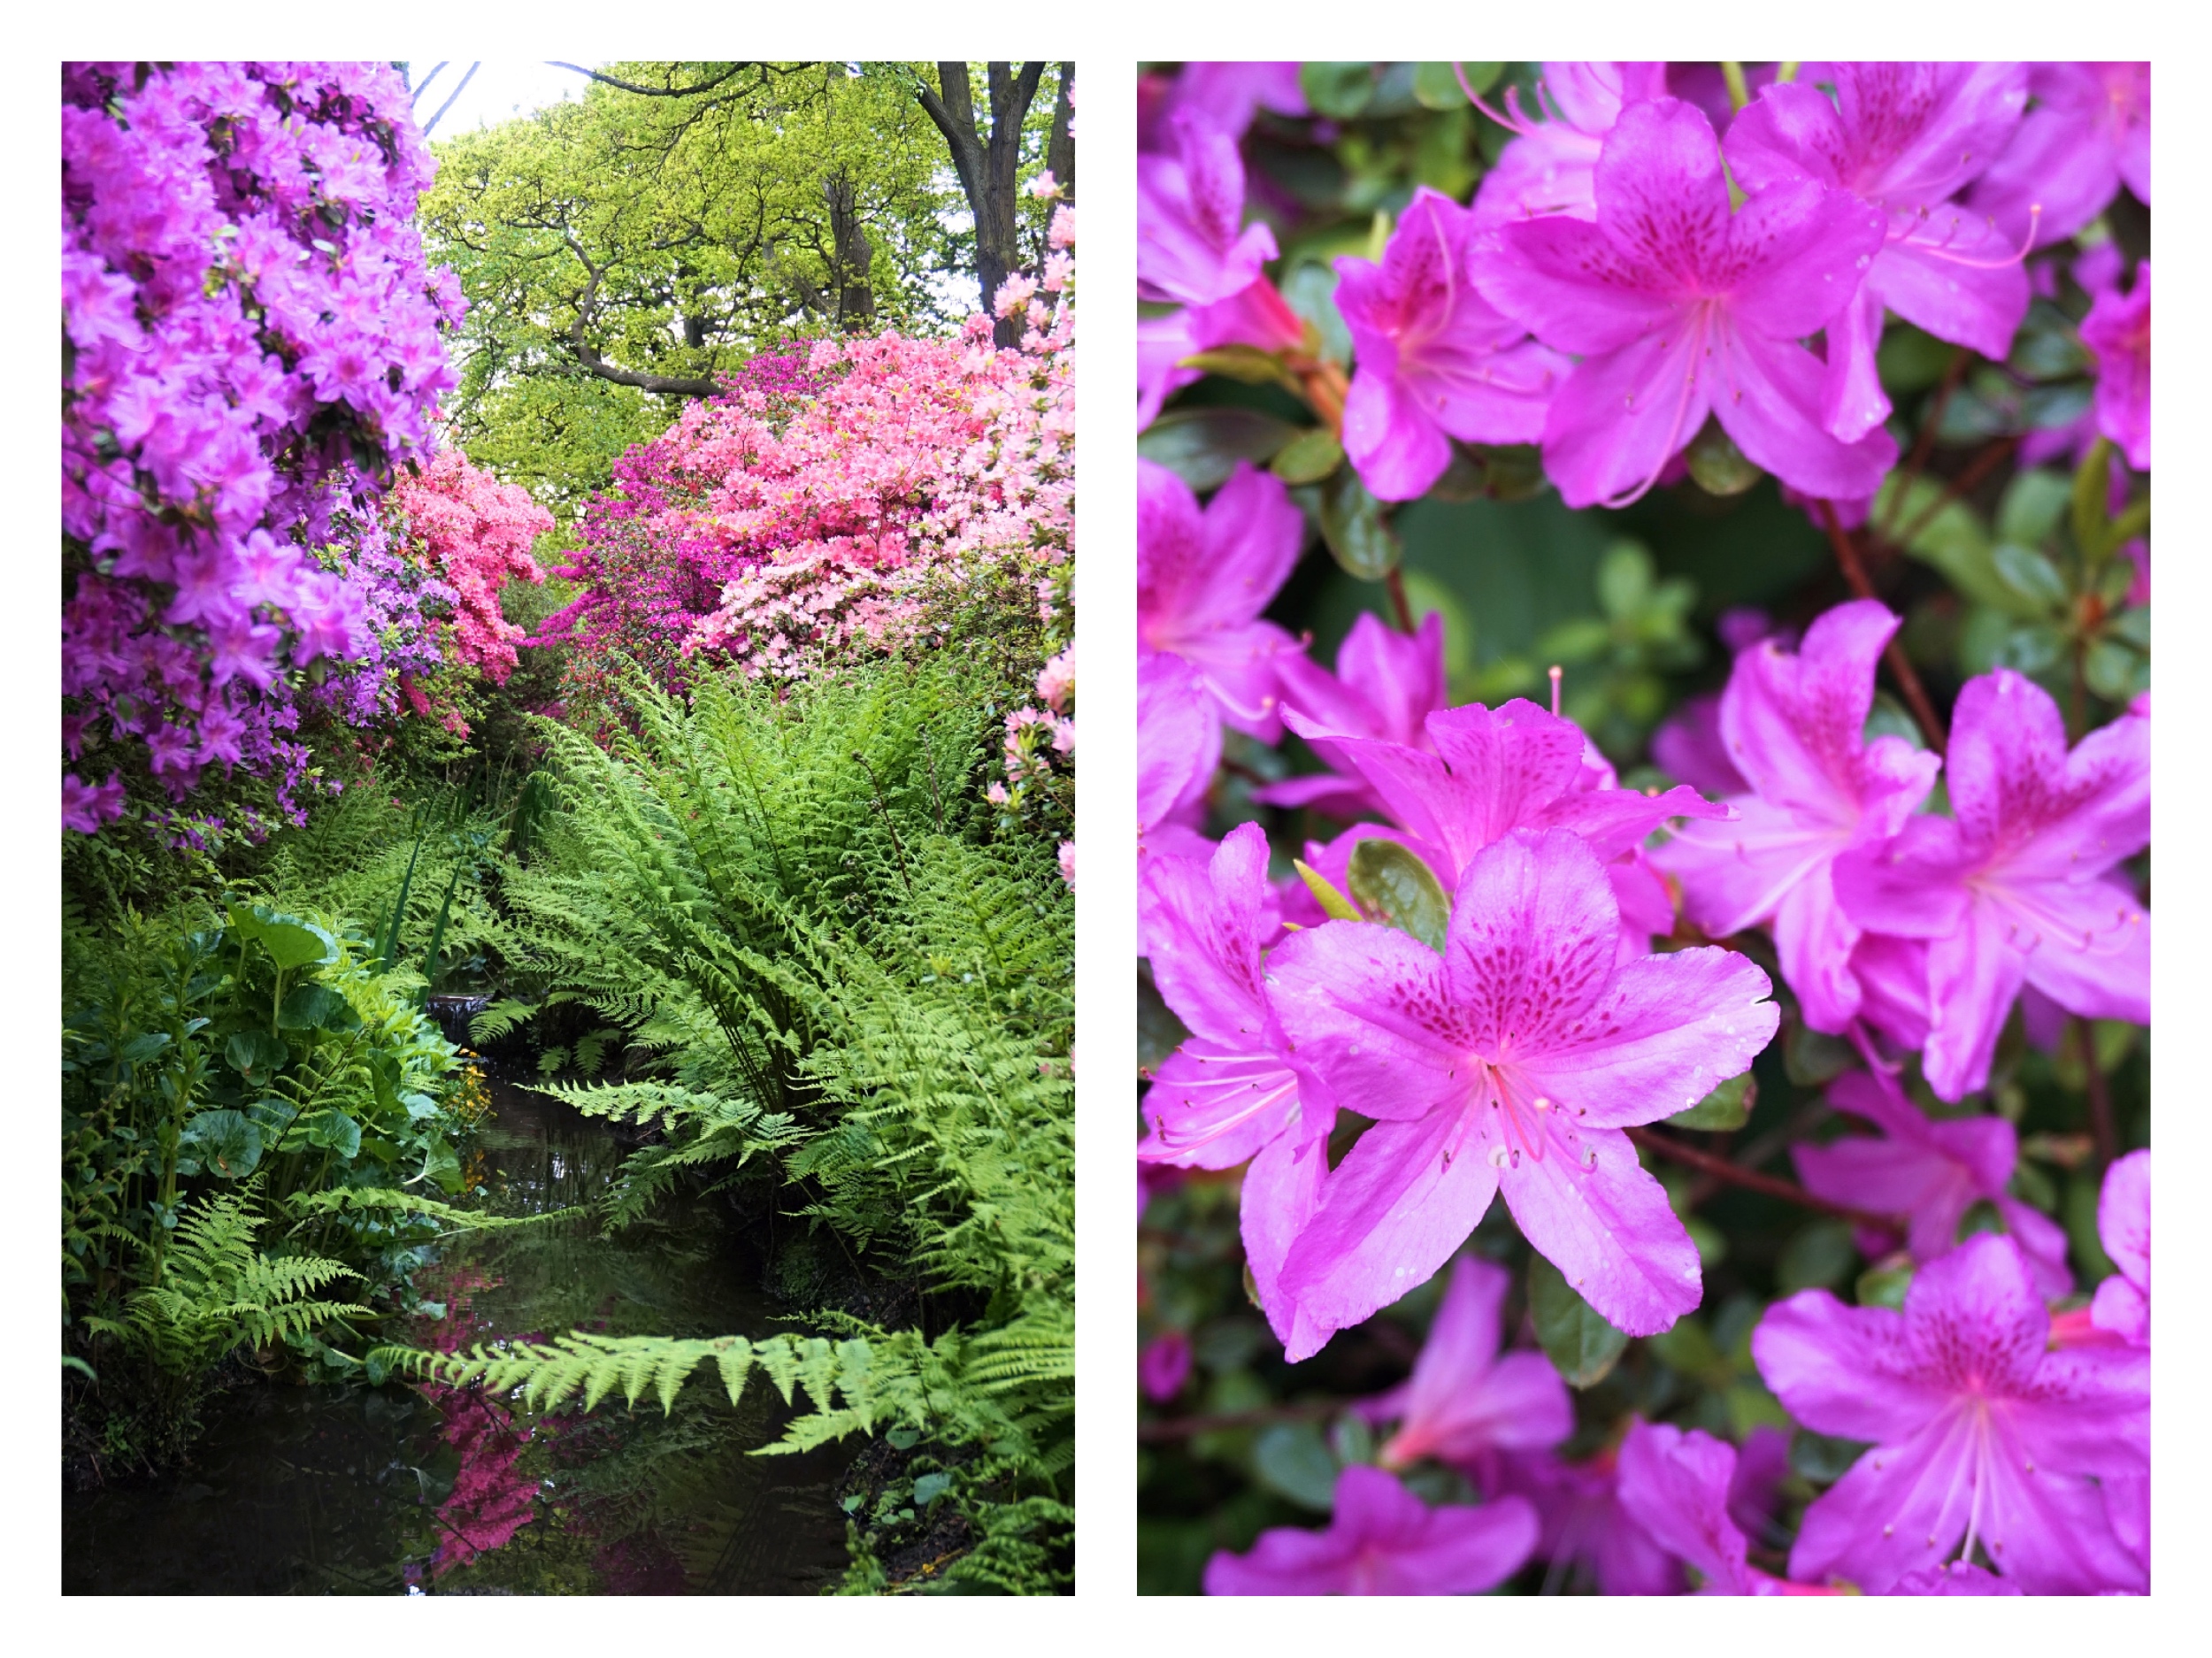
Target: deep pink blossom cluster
[(475, 534), (1644, 257), (250, 343), (796, 515)]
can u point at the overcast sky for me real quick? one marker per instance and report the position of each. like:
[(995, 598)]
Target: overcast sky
[(499, 90)]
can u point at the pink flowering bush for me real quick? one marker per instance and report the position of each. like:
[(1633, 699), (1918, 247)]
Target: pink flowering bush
[(1643, 817), (251, 343), (475, 535)]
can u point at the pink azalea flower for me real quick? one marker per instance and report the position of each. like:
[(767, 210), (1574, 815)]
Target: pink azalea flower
[(1435, 361), (1793, 725), (2117, 333), (2089, 132), (1904, 138), (1982, 1434), (1675, 1486), (1383, 1539), (1178, 743), (1385, 685), (1232, 1093), (1583, 1521), (1688, 747), (1511, 1062), (1229, 93), (1164, 1366), (1463, 1404), (2018, 887), (1679, 308), (1163, 343), (1203, 580), (1193, 247), (1928, 1175), (86, 806), (2122, 1305)]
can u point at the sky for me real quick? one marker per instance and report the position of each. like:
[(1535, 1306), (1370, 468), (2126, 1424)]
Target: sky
[(500, 91)]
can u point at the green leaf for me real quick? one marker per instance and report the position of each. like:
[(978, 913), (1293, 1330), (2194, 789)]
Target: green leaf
[(1436, 85), (142, 1047), (1357, 531), (902, 1438), (2034, 578), (1817, 1256), (313, 1007), (226, 1142), (1246, 364), (1953, 540), (1581, 1345), (256, 1054), (929, 1487), (1885, 1283), (1309, 458), (1333, 903), (1338, 91), (420, 1106), (290, 941), (440, 1166), (1202, 446), (1292, 1460), (336, 1130), (1718, 465), (1723, 1110), (2034, 503), (1398, 890), (2092, 479), (1813, 1058)]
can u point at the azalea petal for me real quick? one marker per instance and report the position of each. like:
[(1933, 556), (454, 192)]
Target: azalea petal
[(1390, 1213), (1549, 171), (2123, 1216), (1899, 1508), (1202, 927), (1813, 939), (1591, 96), (2050, 1533), (2043, 1242), (1852, 401), (1789, 132), (1281, 1190), (2088, 946), (1367, 1009), (1973, 1320), (1531, 943), (1607, 1227), (2012, 782), (1403, 679), (1973, 976), (1910, 887), (1670, 1030), (1614, 821), (1661, 192), (1574, 287), (1797, 251), (1178, 738), (1214, 1106), (1675, 1486), (1461, 1550), (2087, 1411), (1924, 130), (1462, 1340), (1889, 1177), (1766, 394), (1735, 874), (1844, 1371), (1624, 413), (1391, 437), (1955, 275)]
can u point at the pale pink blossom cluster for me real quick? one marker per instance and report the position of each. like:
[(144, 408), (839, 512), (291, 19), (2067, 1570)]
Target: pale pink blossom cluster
[(475, 533)]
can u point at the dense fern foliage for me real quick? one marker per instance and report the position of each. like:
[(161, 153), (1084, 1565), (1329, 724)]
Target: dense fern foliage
[(824, 954)]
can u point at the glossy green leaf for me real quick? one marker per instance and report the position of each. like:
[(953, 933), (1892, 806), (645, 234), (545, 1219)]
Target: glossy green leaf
[(290, 941), (256, 1054), (1245, 362), (1436, 85), (312, 1007), (1728, 1108), (226, 1142), (1309, 458), (1292, 1460), (335, 1132), (1718, 465), (1398, 889), (1337, 90), (1354, 525), (1202, 446), (1581, 1345), (2032, 576)]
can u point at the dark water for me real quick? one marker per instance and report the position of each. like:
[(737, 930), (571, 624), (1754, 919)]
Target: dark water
[(392, 1491)]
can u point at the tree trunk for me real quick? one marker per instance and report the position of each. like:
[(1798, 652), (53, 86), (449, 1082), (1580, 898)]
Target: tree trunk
[(856, 300), (1060, 153), (986, 166)]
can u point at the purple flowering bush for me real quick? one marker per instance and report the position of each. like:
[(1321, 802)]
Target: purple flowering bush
[(1644, 798)]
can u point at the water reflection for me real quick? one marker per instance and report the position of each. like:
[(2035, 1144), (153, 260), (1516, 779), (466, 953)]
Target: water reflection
[(449, 1491)]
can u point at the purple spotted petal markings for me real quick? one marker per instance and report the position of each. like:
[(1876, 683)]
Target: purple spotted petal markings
[(1550, 166), (2020, 887), (1904, 138), (2089, 132), (1512, 1061), (1383, 1539), (1679, 308), (1385, 685), (1465, 1404), (1793, 727), (1984, 1438), (1193, 247), (1436, 360)]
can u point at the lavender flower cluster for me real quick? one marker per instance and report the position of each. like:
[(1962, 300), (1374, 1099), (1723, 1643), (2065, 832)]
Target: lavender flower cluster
[(251, 342), (1509, 964)]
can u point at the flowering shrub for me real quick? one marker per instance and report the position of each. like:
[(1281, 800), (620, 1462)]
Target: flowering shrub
[(1874, 901), (250, 343), (475, 533), (801, 515)]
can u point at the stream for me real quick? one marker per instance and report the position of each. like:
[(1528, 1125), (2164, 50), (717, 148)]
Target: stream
[(300, 1490)]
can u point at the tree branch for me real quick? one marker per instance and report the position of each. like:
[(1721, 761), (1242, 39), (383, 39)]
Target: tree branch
[(1788, 1190), (653, 92), (456, 94)]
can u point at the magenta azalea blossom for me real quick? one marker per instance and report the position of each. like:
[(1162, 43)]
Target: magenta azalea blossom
[(1548, 168), (1163, 343), (1465, 1404), (1385, 685), (1203, 580), (2089, 132), (1511, 1062), (1436, 362), (2019, 887), (1178, 742), (1929, 1174), (1578, 1504), (1383, 1539), (1193, 247), (1164, 1366), (1230, 92), (1676, 1485), (1981, 1435), (2117, 332), (1904, 138), (1793, 727), (2122, 1306), (1679, 308), (1483, 772)]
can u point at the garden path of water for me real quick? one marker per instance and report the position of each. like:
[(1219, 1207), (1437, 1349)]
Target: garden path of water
[(358, 1490)]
